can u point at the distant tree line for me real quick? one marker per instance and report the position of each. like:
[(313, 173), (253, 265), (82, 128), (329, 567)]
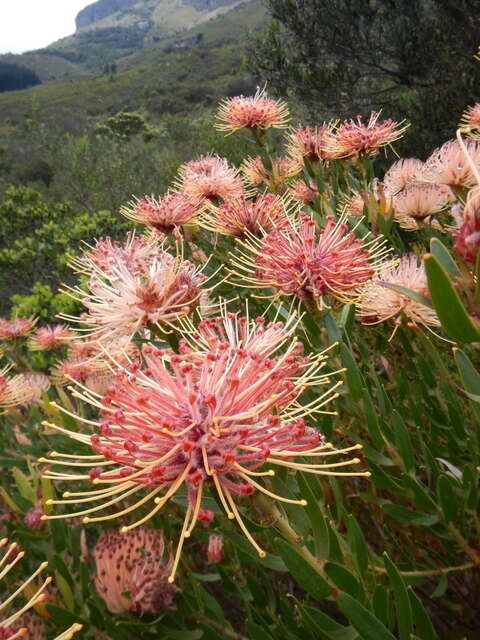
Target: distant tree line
[(13, 76)]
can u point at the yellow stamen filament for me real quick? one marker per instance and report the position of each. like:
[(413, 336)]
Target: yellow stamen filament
[(70, 632), (93, 509), (198, 503), (247, 533), (218, 486), (302, 503), (132, 507), (171, 577)]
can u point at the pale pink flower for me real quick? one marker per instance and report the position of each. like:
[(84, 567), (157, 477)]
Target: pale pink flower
[(471, 117), (29, 626), (276, 178), (215, 550), (49, 337), (172, 209), (420, 201), (210, 177), (237, 217), (401, 174), (302, 192), (449, 165), (310, 262), (38, 383), (16, 328), (311, 143), (467, 237), (124, 297), (215, 417), (379, 303), (14, 390), (354, 137), (355, 205), (252, 112), (132, 571)]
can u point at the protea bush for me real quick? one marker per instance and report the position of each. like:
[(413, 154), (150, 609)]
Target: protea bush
[(263, 422)]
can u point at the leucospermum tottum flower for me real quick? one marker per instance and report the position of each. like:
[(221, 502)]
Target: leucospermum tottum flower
[(16, 328), (252, 112), (471, 117), (379, 303), (217, 417), (264, 213), (49, 337), (420, 201), (124, 296), (276, 178), (11, 624), (354, 137), (467, 236), (449, 165), (14, 390), (172, 209), (303, 192), (311, 143), (132, 571), (210, 177), (401, 174), (308, 262)]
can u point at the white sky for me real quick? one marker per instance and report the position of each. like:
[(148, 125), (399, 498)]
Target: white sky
[(32, 24)]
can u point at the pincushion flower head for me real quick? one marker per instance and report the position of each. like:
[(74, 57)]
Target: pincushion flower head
[(471, 117), (449, 164), (275, 178), (311, 143), (49, 337), (16, 328), (467, 236), (303, 192), (378, 302), (14, 390), (252, 112), (258, 216), (308, 262), (401, 174), (132, 571), (165, 213), (210, 177), (420, 201), (127, 295), (218, 417), (12, 624), (355, 137)]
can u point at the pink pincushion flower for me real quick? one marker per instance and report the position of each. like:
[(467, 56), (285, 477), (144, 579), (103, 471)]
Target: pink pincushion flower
[(276, 178), (173, 209), (467, 236), (37, 383), (215, 550), (471, 117), (125, 296), (49, 337), (311, 143), (16, 328), (210, 177), (401, 174), (354, 137), (309, 262), (449, 165), (15, 390), (132, 571), (420, 201), (252, 112), (302, 192), (213, 418), (379, 303), (237, 217)]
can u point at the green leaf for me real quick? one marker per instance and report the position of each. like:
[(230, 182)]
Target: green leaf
[(423, 624), (402, 601), (450, 310), (447, 498), (372, 420), (24, 486), (65, 590), (469, 375), (344, 580), (367, 625), (306, 576), (358, 544), (403, 441), (442, 254), (317, 519), (402, 514), (255, 632), (354, 380)]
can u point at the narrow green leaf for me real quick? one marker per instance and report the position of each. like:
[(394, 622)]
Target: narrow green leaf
[(358, 544), (354, 380), (65, 590), (255, 632), (470, 376), (402, 514), (317, 519), (380, 603), (372, 420), (344, 580), (450, 310), (423, 624), (23, 485), (447, 498), (442, 254), (402, 601), (403, 441), (306, 576), (367, 625)]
